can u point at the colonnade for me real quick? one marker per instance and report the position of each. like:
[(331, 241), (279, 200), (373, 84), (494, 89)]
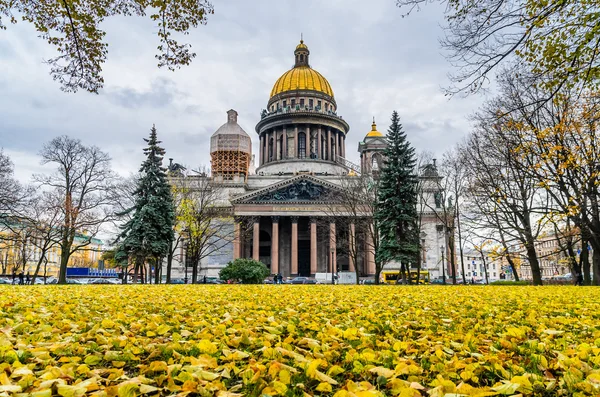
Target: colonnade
[(278, 239), (301, 142)]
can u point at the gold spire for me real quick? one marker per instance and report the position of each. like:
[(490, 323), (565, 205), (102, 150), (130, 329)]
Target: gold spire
[(374, 132)]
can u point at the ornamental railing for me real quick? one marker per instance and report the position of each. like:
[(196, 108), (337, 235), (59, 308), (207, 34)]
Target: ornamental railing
[(347, 164), (299, 109)]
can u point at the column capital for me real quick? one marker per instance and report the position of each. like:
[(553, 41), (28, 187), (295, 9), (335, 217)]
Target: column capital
[(275, 219), (294, 219), (313, 219)]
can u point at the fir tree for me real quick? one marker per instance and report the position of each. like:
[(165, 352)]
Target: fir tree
[(396, 209), (149, 231)]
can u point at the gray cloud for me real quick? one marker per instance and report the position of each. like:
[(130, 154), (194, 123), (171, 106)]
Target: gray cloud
[(159, 95), (375, 60)]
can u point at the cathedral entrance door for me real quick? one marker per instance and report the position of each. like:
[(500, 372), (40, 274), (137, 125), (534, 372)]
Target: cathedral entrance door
[(304, 258)]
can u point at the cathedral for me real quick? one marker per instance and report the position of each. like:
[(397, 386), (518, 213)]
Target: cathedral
[(275, 198)]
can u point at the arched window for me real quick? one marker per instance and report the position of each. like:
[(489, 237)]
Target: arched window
[(271, 149), (301, 145)]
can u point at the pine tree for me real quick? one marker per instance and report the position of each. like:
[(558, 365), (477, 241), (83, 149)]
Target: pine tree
[(149, 231), (396, 209)]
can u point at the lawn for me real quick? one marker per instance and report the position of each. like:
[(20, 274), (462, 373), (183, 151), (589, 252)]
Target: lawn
[(231, 340)]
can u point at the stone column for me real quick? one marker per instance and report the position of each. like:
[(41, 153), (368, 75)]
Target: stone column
[(256, 240), (285, 155), (308, 141), (351, 237), (319, 148), (370, 256), (276, 144), (313, 246), (295, 142), (294, 270), (332, 242), (334, 147), (260, 150), (275, 246), (342, 145), (329, 153), (236, 238)]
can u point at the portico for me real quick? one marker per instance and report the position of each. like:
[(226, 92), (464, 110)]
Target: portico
[(286, 227)]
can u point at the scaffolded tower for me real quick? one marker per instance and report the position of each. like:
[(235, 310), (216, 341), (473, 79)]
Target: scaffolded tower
[(230, 151)]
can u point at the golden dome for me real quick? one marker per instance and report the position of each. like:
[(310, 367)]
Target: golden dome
[(374, 132), (302, 78)]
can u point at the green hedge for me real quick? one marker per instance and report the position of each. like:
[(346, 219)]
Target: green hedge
[(522, 282)]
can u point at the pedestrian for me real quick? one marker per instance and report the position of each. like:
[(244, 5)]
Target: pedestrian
[(21, 278), (27, 279), (579, 279), (279, 278), (14, 276), (204, 281), (472, 280)]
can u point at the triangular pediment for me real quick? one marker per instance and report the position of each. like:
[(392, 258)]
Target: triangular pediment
[(298, 189)]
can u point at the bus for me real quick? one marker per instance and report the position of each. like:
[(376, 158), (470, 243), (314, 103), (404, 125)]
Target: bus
[(394, 276)]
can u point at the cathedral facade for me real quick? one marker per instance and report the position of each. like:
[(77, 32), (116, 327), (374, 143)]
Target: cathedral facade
[(280, 209)]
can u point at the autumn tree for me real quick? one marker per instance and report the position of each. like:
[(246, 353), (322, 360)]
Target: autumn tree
[(203, 218), (83, 184), (12, 193), (502, 196), (454, 184), (436, 203), (556, 40), (351, 207), (73, 29)]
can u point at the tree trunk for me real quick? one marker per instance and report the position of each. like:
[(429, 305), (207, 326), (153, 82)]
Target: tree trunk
[(64, 260), (460, 244), (574, 266), (136, 270), (377, 272), (125, 270), (513, 267), (596, 265), (584, 262), (169, 263), (37, 268), (157, 268), (536, 273), (452, 257), (485, 269), (402, 273), (195, 271)]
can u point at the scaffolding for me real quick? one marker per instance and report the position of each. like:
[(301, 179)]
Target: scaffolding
[(230, 151)]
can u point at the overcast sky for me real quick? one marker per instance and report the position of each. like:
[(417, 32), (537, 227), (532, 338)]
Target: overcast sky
[(375, 60)]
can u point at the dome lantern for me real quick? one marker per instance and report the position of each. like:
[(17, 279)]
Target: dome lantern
[(301, 52)]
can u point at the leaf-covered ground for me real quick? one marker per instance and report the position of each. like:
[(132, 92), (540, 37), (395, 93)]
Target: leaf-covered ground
[(292, 340)]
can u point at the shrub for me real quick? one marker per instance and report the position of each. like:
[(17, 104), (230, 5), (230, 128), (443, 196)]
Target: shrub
[(502, 282), (246, 271)]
